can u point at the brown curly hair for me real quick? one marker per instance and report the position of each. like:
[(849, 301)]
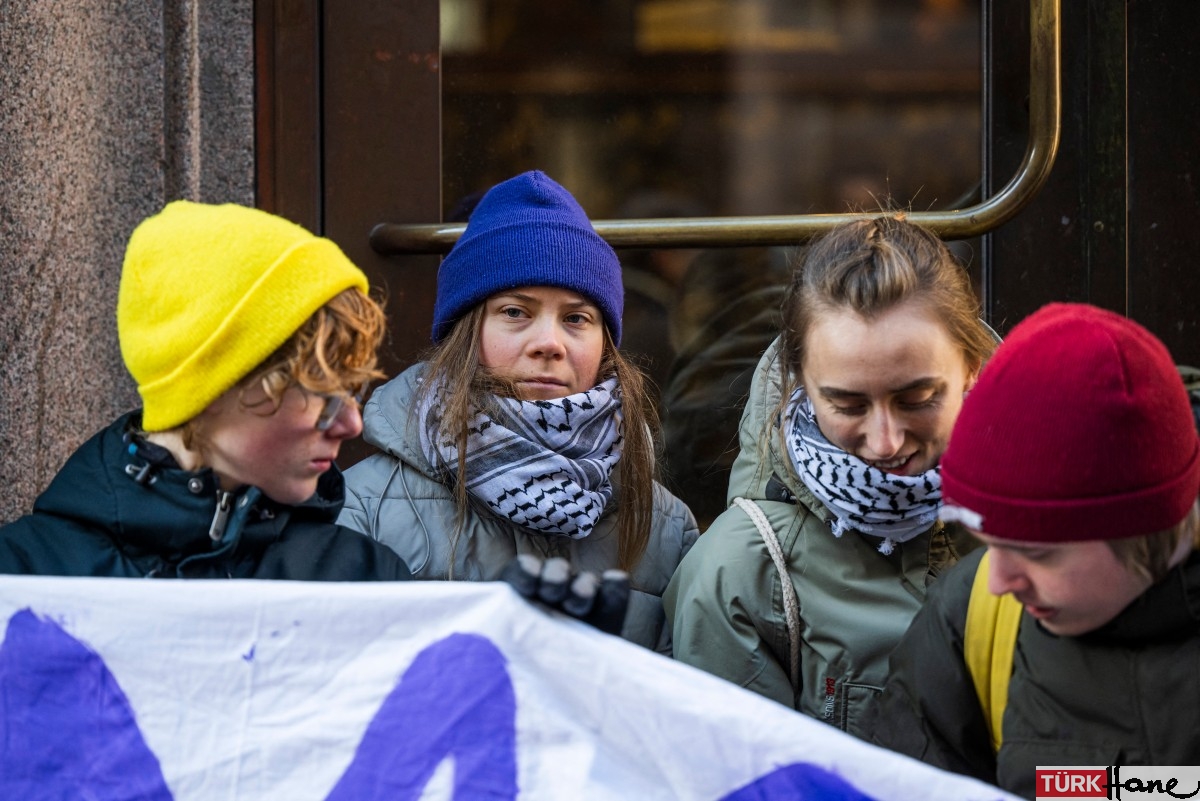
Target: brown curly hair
[(335, 350)]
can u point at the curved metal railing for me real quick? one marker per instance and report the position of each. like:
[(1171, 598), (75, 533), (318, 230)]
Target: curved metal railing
[(1045, 109)]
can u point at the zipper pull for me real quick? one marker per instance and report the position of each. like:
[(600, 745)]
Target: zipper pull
[(221, 517)]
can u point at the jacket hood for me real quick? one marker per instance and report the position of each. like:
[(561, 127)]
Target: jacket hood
[(388, 421), (169, 510), (760, 459)]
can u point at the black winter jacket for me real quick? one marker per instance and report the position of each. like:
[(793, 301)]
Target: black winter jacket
[(1127, 693), (124, 508)]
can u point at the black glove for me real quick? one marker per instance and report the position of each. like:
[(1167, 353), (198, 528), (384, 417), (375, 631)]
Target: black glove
[(601, 602)]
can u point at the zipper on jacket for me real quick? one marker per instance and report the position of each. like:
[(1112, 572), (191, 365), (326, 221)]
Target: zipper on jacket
[(221, 517)]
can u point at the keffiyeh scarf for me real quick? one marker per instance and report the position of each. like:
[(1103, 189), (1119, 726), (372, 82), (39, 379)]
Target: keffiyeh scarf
[(545, 465), (861, 497)]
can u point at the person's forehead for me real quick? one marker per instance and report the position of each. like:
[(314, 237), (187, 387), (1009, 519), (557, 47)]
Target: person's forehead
[(1020, 546), (889, 353), (1010, 545), (840, 328), (543, 294)]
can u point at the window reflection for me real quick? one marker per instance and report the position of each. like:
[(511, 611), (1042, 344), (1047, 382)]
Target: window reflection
[(667, 108)]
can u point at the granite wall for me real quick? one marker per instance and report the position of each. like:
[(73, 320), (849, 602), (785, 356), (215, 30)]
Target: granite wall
[(108, 110)]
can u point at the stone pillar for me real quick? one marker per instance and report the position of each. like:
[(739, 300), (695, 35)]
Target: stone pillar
[(108, 110)]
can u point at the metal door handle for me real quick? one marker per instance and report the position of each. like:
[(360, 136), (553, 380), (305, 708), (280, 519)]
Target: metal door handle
[(1045, 111)]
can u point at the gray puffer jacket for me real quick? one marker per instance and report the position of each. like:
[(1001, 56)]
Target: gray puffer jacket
[(395, 497)]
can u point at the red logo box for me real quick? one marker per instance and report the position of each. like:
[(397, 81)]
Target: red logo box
[(1079, 782)]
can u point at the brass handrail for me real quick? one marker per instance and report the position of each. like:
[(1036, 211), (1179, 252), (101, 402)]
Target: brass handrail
[(1045, 109)]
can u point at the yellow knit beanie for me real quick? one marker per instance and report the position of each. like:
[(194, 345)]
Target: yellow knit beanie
[(209, 292)]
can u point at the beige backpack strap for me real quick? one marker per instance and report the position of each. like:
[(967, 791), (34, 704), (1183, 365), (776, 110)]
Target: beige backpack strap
[(989, 644), (791, 604)]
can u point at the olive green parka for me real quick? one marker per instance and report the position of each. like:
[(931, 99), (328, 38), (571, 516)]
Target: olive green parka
[(726, 601)]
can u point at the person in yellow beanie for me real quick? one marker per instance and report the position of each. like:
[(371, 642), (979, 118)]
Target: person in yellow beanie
[(250, 340)]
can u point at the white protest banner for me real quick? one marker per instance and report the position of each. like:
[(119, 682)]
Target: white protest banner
[(119, 689)]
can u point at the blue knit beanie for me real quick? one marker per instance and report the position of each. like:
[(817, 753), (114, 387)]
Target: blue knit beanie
[(528, 231)]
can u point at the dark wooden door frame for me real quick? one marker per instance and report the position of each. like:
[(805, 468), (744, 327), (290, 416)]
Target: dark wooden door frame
[(348, 134), (1115, 225)]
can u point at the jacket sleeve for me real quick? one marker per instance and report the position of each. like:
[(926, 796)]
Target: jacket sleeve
[(672, 537), (928, 709), (721, 617), (356, 509), (691, 531)]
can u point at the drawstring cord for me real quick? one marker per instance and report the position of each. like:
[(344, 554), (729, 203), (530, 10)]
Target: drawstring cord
[(221, 517)]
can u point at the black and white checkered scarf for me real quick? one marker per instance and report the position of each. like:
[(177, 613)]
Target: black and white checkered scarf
[(545, 465), (861, 497)]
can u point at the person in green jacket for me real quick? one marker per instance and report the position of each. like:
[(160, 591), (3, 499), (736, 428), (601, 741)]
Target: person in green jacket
[(1077, 462), (800, 589)]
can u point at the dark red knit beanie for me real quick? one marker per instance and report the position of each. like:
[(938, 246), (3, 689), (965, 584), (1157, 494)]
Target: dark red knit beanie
[(1078, 429)]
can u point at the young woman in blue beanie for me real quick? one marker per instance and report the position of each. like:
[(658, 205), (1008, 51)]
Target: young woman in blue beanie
[(524, 431), (802, 586)]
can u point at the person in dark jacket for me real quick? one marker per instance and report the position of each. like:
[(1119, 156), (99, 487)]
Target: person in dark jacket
[(250, 340), (1076, 461)]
